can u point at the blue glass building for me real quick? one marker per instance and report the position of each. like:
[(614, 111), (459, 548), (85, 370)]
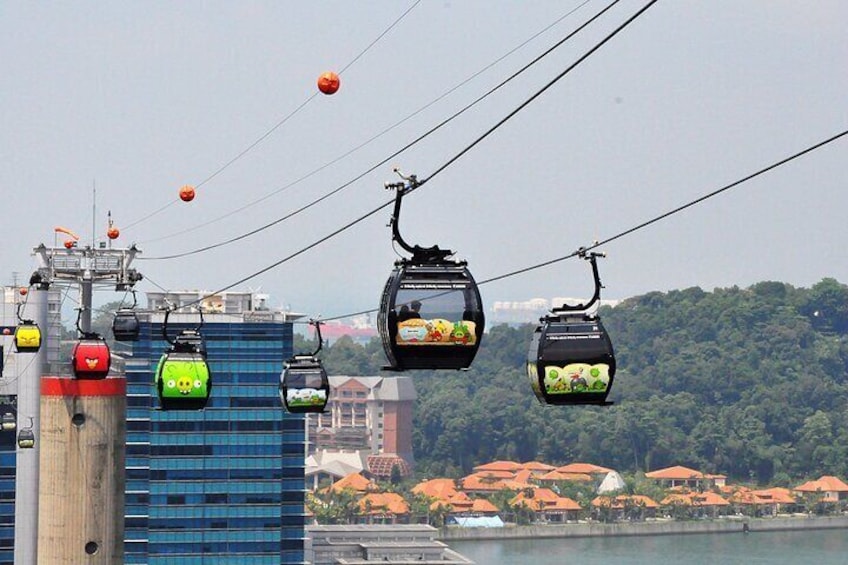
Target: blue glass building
[(8, 448), (226, 484)]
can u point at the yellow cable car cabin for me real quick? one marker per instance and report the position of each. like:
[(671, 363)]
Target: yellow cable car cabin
[(27, 337)]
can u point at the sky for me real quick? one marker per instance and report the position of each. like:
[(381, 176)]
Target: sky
[(113, 106)]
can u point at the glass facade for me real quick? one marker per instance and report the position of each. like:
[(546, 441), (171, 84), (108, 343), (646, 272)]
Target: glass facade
[(8, 448), (221, 485)]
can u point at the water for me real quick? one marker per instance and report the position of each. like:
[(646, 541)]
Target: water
[(821, 547)]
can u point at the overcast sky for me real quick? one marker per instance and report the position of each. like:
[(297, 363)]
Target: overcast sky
[(140, 98)]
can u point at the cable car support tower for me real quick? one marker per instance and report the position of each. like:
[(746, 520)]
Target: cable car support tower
[(82, 428)]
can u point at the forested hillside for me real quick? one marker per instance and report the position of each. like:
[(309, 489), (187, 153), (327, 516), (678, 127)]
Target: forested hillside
[(750, 383)]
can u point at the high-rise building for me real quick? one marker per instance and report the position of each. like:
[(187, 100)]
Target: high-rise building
[(368, 416), (225, 484)]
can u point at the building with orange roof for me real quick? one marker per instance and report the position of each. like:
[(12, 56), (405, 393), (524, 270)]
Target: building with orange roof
[(383, 508), (702, 504), (765, 502), (828, 487), (717, 480), (489, 482), (510, 466), (537, 468), (584, 468), (369, 415), (679, 476), (558, 476), (439, 489), (523, 476), (482, 507), (354, 482), (624, 507), (547, 504)]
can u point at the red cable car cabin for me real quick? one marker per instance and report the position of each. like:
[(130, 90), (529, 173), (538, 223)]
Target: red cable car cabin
[(91, 358)]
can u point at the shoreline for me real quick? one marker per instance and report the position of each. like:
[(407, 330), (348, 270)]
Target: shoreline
[(717, 526)]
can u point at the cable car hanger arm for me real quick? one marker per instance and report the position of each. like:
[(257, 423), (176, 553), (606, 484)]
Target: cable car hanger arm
[(590, 256), (419, 254)]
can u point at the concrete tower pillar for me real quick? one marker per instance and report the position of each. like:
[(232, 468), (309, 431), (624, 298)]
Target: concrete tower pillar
[(81, 493), (30, 367)]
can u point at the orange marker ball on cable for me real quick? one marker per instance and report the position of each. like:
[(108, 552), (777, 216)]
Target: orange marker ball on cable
[(23, 290), (187, 193), (113, 233), (329, 83)]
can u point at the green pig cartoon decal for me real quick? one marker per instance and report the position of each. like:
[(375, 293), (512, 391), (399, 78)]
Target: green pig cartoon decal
[(179, 377), (461, 334)]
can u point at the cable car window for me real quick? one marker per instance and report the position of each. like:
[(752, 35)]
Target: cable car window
[(579, 341), (435, 316), (305, 388)]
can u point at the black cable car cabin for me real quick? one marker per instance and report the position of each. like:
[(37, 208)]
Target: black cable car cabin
[(125, 324), (26, 439), (304, 386), (8, 422), (91, 358), (571, 359), (183, 380), (431, 314)]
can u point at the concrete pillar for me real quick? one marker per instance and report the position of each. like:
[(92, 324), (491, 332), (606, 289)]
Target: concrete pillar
[(30, 368), (81, 492)]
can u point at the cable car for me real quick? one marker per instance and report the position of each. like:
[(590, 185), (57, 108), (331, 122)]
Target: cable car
[(183, 380), (26, 437), (571, 359), (8, 422), (27, 337), (304, 386), (91, 358), (431, 314), (125, 324)]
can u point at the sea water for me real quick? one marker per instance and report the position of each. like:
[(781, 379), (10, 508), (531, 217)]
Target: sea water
[(818, 547)]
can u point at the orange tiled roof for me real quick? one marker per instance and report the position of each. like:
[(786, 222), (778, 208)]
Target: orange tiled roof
[(563, 503), (484, 506), (487, 483), (458, 502), (523, 476), (510, 466), (695, 499), (543, 499), (560, 476), (537, 466), (494, 474), (827, 483), (355, 482), (676, 472), (732, 489), (516, 485), (775, 495), (617, 502), (543, 495), (441, 489), (586, 468), (384, 503)]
